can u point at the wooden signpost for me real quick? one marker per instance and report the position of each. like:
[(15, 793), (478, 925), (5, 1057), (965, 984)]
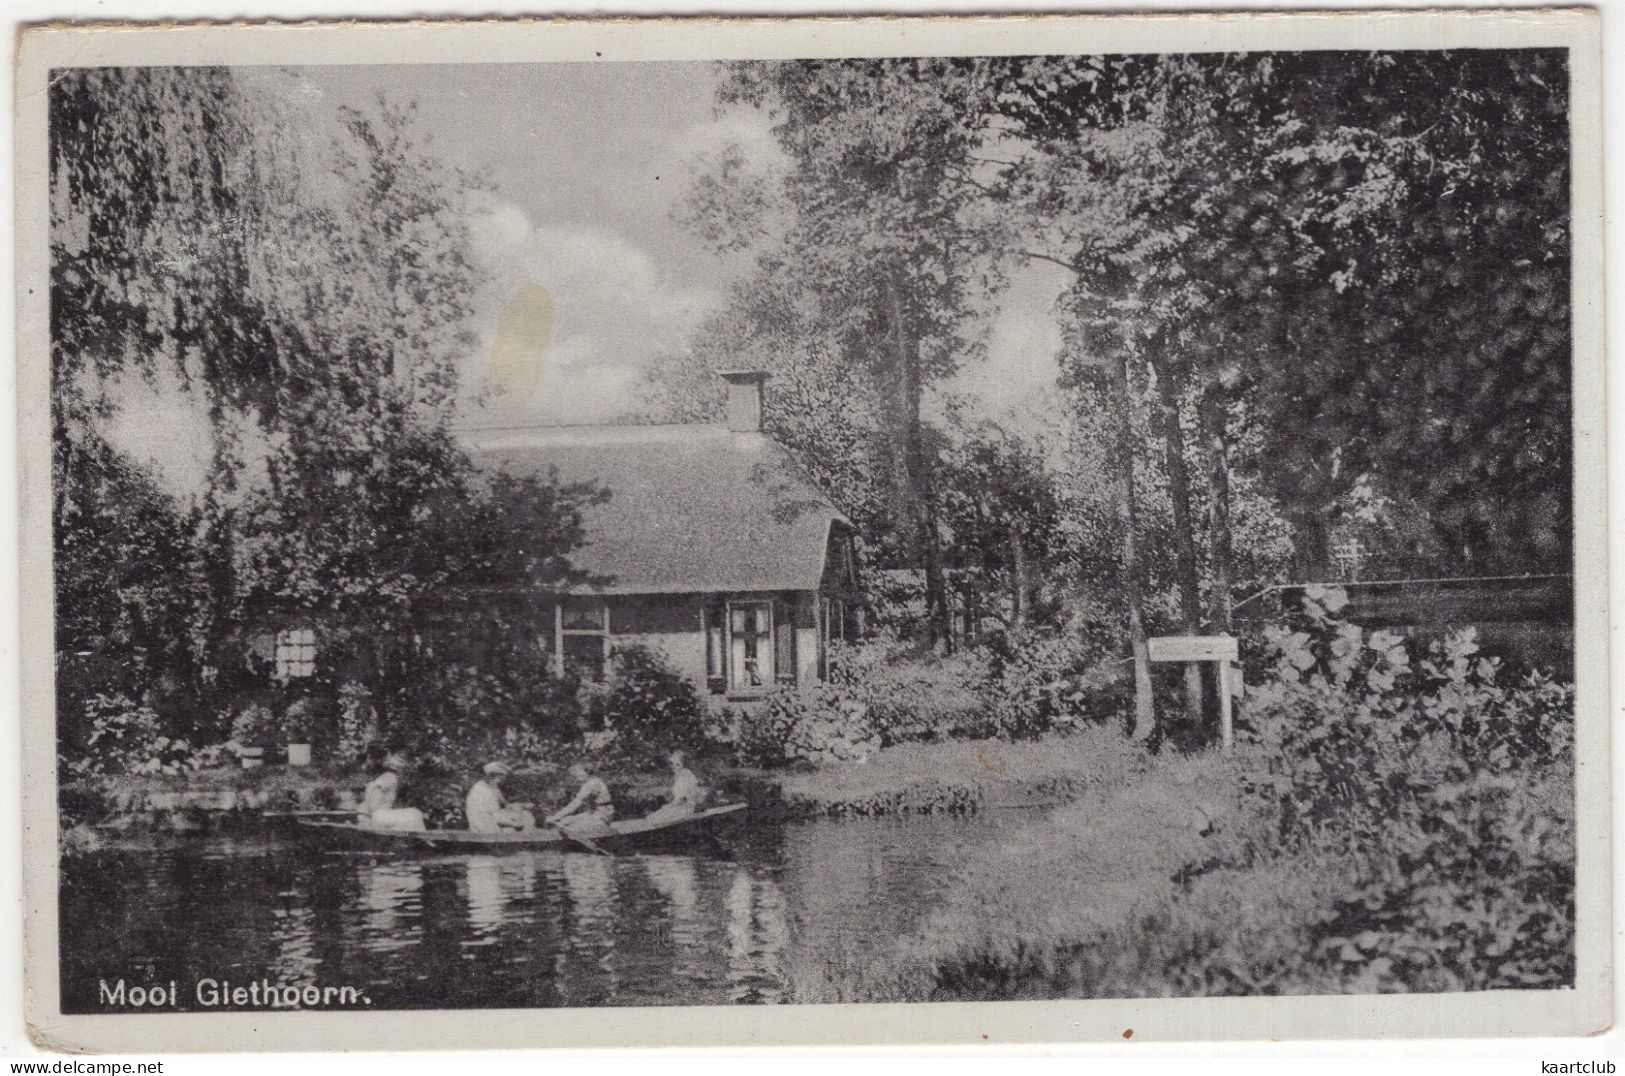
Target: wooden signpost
[(1223, 651)]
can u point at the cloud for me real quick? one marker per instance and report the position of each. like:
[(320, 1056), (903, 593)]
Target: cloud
[(1014, 385), (500, 231), (162, 426), (614, 312), (750, 130)]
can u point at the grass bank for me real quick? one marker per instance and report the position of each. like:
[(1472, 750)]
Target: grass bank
[(1168, 880), (1137, 828), (964, 776)]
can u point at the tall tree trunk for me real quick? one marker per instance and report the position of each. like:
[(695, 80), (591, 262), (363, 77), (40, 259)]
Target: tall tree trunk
[(1179, 492), (938, 614), (1312, 541), (1213, 422), (922, 507), (1018, 578), (1144, 715)]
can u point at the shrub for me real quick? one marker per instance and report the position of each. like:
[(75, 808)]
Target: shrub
[(1432, 778), (128, 738), (760, 735), (357, 723), (1474, 891), (1364, 726), (301, 720), (824, 724), (881, 694), (1039, 682), (820, 723), (912, 695), (649, 707), (463, 714), (254, 725)]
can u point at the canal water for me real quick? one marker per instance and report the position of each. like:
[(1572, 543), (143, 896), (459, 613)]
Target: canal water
[(735, 924)]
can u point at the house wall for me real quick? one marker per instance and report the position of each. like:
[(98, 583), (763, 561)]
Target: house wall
[(807, 638), (674, 626), (668, 623)]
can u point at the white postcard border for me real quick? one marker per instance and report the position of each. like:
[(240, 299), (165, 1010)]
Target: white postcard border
[(1586, 1009)]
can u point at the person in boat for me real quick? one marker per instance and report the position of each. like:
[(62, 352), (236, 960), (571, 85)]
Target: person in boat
[(488, 810), (378, 808), (687, 794), (591, 809)]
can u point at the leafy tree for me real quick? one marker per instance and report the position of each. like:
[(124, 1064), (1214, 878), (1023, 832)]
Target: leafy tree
[(1287, 229), (869, 215), (1000, 510), (304, 273), (1333, 287), (1254, 232), (822, 408)]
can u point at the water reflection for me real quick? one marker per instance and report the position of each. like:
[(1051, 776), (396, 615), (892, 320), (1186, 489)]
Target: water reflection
[(593, 912), (756, 937), (676, 878), (513, 930), (294, 940), (391, 897), (500, 889)]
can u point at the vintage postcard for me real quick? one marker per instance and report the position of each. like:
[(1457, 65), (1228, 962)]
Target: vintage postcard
[(703, 532)]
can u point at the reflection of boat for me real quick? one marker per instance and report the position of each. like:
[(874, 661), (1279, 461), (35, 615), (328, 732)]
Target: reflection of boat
[(631, 831)]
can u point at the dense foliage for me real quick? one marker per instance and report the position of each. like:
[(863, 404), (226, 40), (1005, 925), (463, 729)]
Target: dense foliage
[(885, 693), (1306, 300), (1398, 815), (648, 710), (1448, 785), (293, 282)]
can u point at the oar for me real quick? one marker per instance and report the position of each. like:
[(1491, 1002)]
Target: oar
[(589, 844), (586, 842)]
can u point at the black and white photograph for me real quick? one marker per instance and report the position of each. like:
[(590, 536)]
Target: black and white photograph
[(786, 528)]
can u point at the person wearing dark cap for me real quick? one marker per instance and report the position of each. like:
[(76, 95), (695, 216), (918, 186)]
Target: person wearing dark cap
[(488, 810)]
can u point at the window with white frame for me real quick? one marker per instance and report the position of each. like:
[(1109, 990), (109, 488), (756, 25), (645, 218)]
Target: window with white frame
[(295, 653), (750, 645), (581, 626)]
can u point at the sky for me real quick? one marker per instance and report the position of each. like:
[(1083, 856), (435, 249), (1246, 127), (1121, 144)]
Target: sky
[(592, 276)]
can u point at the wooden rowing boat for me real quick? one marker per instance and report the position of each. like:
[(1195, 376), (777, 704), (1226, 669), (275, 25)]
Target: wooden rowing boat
[(353, 835)]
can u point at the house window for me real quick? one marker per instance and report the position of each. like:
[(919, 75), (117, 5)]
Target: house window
[(750, 649), (582, 631), (295, 653)]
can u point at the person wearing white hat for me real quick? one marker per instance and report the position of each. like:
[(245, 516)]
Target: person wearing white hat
[(488, 810)]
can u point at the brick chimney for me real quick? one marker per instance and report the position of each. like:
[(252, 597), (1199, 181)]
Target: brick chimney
[(744, 399)]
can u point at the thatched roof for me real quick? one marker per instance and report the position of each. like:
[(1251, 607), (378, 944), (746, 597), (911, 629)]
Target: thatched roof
[(691, 509)]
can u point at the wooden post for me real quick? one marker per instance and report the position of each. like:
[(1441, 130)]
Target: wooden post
[(1223, 651), (558, 637)]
